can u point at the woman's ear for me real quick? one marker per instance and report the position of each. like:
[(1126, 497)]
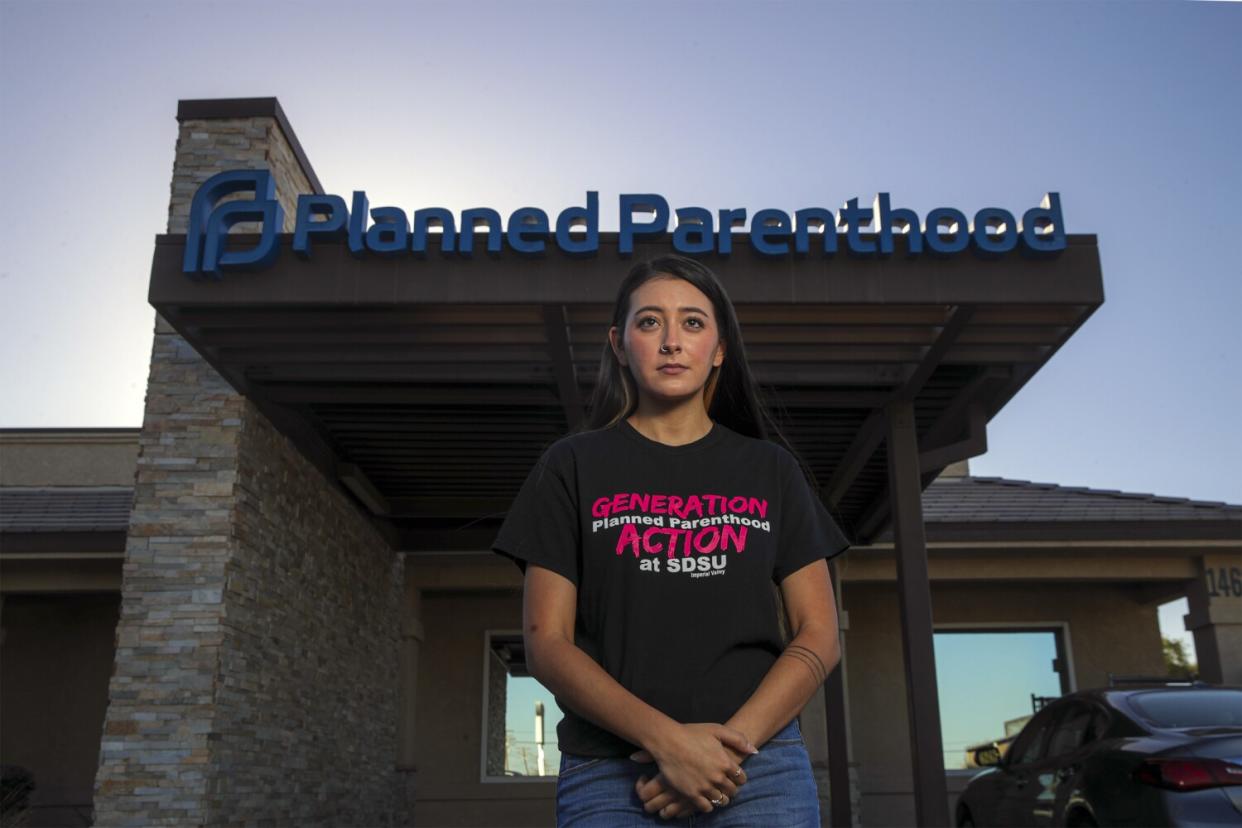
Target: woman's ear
[(720, 354), (614, 343)]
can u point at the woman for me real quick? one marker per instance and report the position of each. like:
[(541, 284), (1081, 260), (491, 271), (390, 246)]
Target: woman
[(650, 544)]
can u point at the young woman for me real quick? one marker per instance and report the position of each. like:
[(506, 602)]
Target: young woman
[(654, 543)]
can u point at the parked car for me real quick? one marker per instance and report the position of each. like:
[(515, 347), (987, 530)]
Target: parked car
[(1149, 755)]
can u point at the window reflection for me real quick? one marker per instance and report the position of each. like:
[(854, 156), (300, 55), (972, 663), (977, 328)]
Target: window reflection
[(990, 683), (520, 716)]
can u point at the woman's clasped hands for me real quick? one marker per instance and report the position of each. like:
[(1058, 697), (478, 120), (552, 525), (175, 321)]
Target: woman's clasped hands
[(700, 768)]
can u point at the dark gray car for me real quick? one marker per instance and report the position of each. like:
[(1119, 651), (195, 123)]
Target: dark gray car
[(1149, 756)]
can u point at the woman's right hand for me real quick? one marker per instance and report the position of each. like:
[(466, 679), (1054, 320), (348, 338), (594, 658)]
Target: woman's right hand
[(693, 760), (659, 797)]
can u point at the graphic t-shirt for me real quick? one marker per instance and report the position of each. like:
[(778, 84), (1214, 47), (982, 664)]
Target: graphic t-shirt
[(674, 550)]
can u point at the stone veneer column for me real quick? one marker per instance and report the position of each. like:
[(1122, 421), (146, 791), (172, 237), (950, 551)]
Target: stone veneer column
[(257, 667)]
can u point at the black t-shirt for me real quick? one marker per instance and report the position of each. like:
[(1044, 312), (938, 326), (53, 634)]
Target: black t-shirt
[(674, 550)]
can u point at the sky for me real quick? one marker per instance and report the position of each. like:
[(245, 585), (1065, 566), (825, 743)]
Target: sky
[(522, 752), (970, 717), (1129, 110)]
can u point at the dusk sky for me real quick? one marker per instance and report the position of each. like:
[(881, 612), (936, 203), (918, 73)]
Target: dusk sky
[(1131, 111)]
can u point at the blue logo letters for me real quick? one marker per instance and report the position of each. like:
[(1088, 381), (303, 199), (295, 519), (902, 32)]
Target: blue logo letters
[(531, 232), (209, 225)]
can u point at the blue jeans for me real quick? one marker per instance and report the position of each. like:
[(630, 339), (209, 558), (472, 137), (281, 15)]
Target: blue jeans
[(779, 791)]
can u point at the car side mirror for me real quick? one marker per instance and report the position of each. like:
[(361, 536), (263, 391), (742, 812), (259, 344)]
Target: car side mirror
[(988, 757)]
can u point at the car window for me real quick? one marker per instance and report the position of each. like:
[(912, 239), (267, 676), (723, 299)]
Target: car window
[(1071, 731), (1029, 746), (1203, 707), (1098, 726)]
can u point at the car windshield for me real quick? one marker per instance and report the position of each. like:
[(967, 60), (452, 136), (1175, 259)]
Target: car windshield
[(1190, 708)]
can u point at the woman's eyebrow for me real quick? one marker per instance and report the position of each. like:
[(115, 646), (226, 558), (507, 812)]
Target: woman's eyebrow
[(683, 309)]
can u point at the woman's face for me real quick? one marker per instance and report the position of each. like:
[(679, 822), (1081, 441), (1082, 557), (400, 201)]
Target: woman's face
[(670, 322)]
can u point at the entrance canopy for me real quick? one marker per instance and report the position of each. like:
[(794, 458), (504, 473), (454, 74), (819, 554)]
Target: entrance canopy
[(429, 387)]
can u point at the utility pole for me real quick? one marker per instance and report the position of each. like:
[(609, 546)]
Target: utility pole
[(539, 734)]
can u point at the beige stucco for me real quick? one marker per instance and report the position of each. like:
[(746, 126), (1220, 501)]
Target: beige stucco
[(1108, 630), (69, 458), (57, 656), (449, 719)]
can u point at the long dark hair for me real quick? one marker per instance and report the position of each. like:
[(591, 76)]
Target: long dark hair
[(731, 394)]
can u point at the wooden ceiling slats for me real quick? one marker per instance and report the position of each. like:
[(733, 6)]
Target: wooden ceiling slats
[(995, 354), (390, 429), (458, 474), (414, 354), (208, 318), (584, 356), (445, 407), (354, 373), (1054, 315), (596, 317), (1012, 335), (510, 398), (803, 352), (374, 334), (459, 453)]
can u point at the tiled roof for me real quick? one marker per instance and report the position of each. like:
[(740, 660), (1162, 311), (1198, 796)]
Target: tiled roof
[(998, 499), (65, 508)]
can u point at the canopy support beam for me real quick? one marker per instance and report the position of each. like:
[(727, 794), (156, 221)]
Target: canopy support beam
[(922, 701)]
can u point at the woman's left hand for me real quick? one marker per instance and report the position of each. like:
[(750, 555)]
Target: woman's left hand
[(657, 795)]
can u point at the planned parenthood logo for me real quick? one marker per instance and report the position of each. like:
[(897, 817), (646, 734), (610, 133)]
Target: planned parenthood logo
[(389, 231), (206, 236)]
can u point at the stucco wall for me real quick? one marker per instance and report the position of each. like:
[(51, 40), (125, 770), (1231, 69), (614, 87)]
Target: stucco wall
[(57, 653), (69, 458), (1109, 632), (449, 718)]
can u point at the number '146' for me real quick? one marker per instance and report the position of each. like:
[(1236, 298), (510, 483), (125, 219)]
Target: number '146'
[(1221, 583)]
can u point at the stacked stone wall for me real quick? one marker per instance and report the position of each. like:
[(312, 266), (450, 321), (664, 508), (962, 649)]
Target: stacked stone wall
[(205, 148), (257, 664), (154, 751), (306, 710), (256, 677)]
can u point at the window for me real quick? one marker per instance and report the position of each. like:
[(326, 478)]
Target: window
[(1097, 728), (990, 682), (1029, 746), (1202, 707), (1072, 731), (519, 715)]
